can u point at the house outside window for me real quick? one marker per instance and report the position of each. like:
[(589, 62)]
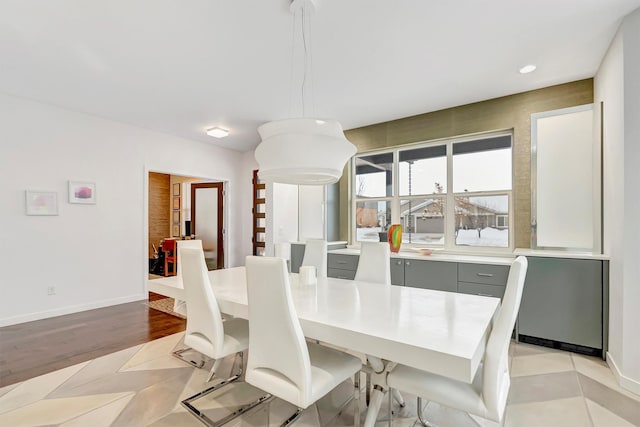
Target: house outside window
[(454, 194)]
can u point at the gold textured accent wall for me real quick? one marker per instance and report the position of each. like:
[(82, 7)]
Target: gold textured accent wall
[(511, 112)]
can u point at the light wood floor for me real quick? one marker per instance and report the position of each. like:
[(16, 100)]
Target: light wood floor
[(35, 348)]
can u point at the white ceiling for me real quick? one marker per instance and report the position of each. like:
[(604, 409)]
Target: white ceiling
[(182, 66)]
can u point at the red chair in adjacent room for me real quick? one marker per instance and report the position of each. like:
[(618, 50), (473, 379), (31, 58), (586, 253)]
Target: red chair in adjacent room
[(170, 256)]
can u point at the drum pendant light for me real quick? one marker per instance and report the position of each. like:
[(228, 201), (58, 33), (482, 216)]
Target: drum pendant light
[(303, 150)]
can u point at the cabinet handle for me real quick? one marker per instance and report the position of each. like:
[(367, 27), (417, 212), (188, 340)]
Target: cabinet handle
[(484, 295), (485, 274), (399, 262), (342, 262), (407, 263)]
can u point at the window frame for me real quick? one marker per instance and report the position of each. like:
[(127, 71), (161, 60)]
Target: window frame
[(448, 196)]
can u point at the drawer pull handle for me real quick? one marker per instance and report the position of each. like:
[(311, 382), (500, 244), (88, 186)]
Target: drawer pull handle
[(485, 274), (484, 295), (342, 262), (407, 263), (399, 262)]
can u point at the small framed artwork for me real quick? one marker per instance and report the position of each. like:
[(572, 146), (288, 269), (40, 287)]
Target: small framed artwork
[(176, 189), (176, 203), (176, 217), (82, 192), (41, 202), (176, 231)]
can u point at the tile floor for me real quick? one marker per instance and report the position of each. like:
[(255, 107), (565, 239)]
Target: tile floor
[(144, 385)]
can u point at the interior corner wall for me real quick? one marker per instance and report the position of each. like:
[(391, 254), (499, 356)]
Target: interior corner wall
[(631, 273), (616, 85), (94, 255)]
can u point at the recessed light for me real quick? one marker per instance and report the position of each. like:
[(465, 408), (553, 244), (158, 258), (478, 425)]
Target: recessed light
[(527, 69), (217, 132)]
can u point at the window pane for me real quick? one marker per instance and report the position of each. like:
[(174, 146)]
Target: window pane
[(482, 165), (374, 175), (482, 221), (423, 171), (372, 217), (423, 221)]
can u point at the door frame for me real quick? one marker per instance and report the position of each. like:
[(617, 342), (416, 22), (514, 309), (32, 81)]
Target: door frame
[(220, 227), (145, 214)]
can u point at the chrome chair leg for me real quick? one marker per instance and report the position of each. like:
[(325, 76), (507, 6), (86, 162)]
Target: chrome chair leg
[(424, 422), (179, 355)]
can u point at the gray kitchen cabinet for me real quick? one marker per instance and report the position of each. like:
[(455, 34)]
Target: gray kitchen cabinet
[(562, 301), (437, 275), (397, 271), (297, 253), (482, 279), (342, 266)]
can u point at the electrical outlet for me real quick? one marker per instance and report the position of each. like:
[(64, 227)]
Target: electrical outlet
[(51, 290)]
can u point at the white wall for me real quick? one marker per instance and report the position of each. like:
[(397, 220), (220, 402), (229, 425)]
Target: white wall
[(616, 84), (95, 255), (631, 274)]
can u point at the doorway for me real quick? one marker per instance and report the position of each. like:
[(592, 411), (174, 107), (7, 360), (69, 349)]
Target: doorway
[(207, 221)]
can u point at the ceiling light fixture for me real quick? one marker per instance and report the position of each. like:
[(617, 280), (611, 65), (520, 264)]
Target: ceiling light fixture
[(303, 150), (527, 69), (217, 132)]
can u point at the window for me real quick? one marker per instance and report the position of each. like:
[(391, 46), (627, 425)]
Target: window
[(453, 194)]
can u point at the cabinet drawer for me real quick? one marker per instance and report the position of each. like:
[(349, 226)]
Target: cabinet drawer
[(342, 262), (481, 289), (341, 274), (437, 275), (483, 273)]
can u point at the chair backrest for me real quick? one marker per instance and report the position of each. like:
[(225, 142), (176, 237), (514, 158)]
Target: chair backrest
[(278, 352), (495, 387), (169, 245), (193, 244), (315, 254), (205, 332), (375, 263)]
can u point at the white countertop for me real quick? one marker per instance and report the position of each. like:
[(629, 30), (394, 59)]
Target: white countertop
[(472, 259), (560, 254)]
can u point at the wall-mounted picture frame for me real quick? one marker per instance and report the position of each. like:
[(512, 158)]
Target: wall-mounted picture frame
[(176, 231), (176, 189), (83, 193), (176, 218), (176, 203), (41, 202)]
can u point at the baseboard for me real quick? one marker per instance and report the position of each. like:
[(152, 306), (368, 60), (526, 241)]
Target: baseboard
[(625, 382), (69, 310)]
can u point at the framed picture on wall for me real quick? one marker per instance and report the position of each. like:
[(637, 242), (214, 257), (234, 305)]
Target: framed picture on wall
[(176, 189), (176, 231), (176, 217), (82, 192), (176, 203), (41, 202)]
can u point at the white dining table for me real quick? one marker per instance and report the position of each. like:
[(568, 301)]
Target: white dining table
[(440, 332)]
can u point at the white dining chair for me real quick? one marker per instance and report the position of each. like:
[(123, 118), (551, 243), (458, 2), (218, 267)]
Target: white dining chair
[(486, 396), (206, 332), (374, 264), (180, 306), (281, 362), (315, 255)]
